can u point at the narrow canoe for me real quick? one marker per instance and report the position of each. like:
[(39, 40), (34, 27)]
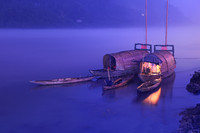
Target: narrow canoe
[(62, 81), (149, 85), (125, 80), (116, 73), (148, 77)]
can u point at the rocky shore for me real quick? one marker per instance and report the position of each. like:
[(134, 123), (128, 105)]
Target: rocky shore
[(194, 85), (190, 122)]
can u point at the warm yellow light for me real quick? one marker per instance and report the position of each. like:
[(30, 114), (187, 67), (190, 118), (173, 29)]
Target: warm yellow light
[(153, 68), (158, 68), (153, 98)]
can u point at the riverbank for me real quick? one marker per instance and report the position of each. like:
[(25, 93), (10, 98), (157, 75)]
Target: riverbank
[(190, 121)]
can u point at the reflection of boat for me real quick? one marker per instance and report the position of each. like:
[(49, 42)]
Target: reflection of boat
[(167, 85), (119, 82), (150, 97), (153, 98), (149, 85), (61, 81), (164, 92), (109, 93)]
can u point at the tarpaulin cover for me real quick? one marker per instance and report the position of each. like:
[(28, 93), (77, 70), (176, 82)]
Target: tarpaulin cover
[(152, 58)]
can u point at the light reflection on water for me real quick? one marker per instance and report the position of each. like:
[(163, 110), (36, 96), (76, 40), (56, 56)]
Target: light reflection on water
[(153, 98), (164, 91), (85, 107)]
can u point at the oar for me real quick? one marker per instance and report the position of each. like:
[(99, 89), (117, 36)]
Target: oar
[(108, 74), (117, 80), (140, 86)]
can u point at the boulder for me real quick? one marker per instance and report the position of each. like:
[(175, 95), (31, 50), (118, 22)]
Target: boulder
[(194, 85), (190, 121)]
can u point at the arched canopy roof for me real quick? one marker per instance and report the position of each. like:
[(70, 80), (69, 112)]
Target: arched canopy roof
[(124, 60), (152, 58)]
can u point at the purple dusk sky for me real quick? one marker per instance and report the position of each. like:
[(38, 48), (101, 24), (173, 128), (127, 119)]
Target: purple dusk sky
[(189, 7)]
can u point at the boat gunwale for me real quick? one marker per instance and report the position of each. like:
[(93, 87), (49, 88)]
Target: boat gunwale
[(149, 88), (126, 80), (63, 81)]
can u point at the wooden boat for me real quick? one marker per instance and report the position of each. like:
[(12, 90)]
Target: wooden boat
[(148, 77), (123, 63), (117, 82), (62, 81), (113, 73), (149, 85), (160, 63)]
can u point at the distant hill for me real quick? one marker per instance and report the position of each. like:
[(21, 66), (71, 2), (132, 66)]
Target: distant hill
[(83, 13)]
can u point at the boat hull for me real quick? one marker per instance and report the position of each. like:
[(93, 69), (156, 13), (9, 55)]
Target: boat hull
[(124, 82), (117, 73), (61, 81), (149, 85), (148, 77)]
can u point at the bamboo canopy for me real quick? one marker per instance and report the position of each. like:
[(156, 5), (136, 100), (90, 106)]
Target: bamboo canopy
[(124, 60)]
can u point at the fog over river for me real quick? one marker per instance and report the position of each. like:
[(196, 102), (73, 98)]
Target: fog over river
[(34, 54)]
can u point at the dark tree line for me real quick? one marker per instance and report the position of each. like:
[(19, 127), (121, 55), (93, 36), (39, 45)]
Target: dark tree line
[(82, 13)]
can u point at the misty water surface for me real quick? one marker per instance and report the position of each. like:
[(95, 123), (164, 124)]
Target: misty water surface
[(57, 53)]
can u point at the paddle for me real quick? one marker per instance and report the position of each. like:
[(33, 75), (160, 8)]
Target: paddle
[(108, 73), (109, 82)]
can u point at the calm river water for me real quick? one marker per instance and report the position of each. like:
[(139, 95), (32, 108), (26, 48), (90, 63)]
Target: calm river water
[(85, 108)]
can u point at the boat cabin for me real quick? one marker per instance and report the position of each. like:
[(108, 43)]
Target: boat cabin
[(126, 60), (150, 68), (160, 63)]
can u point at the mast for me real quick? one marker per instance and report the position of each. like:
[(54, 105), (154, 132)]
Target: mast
[(166, 23), (146, 21), (144, 46)]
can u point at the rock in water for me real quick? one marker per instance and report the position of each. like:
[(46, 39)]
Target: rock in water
[(193, 88), (190, 122), (194, 85), (196, 78)]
